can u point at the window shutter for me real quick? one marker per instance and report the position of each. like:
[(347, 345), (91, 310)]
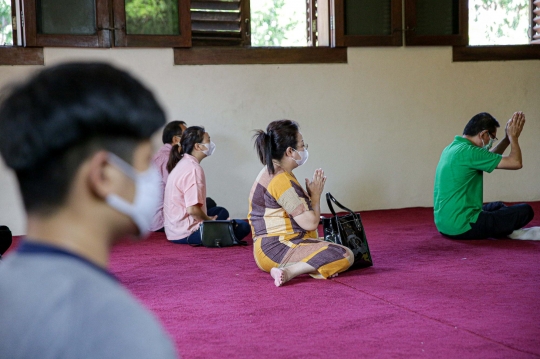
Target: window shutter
[(366, 22), (536, 23), (220, 23), (436, 22)]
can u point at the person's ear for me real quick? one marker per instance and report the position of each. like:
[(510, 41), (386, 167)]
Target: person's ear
[(289, 152), (201, 147), (100, 175)]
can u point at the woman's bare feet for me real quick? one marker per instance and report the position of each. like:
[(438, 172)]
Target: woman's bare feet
[(283, 275), (279, 276)]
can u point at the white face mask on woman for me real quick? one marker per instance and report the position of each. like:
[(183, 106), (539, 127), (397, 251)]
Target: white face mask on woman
[(147, 194), (211, 147), (304, 155)]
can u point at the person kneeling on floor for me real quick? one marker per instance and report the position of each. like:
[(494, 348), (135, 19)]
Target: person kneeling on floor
[(184, 205), (458, 193), (284, 217), (172, 133)]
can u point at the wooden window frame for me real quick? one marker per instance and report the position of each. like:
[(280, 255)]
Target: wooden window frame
[(221, 54), (461, 38), (498, 52), (106, 12), (337, 28), (18, 55), (495, 53), (123, 39), (32, 38), (33, 52), (408, 8), (227, 55)]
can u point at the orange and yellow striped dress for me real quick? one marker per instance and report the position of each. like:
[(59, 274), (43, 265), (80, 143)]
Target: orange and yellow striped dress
[(278, 241)]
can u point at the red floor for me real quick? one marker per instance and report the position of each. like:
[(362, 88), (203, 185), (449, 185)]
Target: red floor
[(425, 297)]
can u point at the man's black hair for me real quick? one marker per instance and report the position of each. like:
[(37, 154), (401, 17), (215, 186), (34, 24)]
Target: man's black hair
[(53, 122), (172, 129), (481, 122)]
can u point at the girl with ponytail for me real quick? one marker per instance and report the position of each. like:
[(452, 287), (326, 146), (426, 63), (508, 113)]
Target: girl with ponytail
[(184, 205), (283, 216), (188, 140)]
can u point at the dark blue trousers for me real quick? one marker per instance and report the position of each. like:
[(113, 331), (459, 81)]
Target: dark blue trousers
[(497, 221)]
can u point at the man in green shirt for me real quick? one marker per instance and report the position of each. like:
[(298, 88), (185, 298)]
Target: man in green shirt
[(458, 207)]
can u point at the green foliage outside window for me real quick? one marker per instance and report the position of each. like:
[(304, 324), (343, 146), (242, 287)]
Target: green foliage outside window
[(499, 22), (278, 23), (6, 31), (152, 17)]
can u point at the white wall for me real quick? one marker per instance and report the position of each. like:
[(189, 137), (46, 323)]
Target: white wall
[(376, 125)]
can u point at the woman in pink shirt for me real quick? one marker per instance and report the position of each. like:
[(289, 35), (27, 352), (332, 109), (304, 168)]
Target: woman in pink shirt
[(184, 205)]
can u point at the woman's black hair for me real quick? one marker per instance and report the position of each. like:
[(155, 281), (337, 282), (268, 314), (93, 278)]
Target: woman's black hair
[(172, 129), (272, 144), (191, 136)]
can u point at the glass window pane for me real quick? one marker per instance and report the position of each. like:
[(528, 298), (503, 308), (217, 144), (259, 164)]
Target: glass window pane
[(152, 17), (499, 22), (438, 17), (69, 17), (368, 17), (278, 23), (6, 30)]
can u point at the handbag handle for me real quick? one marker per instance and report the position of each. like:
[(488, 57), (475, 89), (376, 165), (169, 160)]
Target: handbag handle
[(330, 199)]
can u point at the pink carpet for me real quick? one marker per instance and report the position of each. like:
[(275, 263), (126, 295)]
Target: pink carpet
[(425, 297)]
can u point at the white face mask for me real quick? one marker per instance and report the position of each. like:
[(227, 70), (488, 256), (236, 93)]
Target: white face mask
[(147, 194), (303, 157), (488, 146), (211, 147)]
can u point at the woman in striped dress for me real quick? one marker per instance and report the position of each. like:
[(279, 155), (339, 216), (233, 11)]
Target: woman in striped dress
[(284, 217)]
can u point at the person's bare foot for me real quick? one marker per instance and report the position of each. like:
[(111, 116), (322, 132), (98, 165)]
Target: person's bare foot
[(334, 275), (279, 276)]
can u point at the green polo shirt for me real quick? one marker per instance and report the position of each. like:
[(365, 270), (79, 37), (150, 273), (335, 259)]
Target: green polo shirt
[(458, 193)]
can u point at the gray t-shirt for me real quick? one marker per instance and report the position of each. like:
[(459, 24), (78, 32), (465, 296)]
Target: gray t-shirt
[(57, 305)]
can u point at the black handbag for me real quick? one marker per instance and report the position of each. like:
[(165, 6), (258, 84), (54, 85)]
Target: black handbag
[(348, 231), (219, 233)]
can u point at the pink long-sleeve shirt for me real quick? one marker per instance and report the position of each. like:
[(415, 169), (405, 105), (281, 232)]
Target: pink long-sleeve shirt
[(160, 162), (186, 187)]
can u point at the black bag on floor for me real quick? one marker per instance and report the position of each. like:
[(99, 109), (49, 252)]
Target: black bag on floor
[(219, 233), (5, 239), (347, 230)]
